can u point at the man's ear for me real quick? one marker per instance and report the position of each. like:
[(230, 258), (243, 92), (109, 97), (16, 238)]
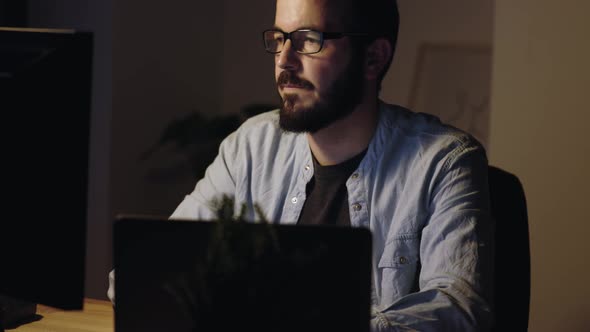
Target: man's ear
[(378, 54)]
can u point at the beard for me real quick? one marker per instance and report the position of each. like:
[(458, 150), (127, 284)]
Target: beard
[(339, 100)]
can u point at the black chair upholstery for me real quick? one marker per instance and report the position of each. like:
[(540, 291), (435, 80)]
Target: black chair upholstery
[(512, 253)]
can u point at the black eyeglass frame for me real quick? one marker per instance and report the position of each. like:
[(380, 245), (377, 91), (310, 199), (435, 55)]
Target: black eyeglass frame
[(323, 36)]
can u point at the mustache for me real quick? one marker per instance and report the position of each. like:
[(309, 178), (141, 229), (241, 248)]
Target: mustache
[(287, 77)]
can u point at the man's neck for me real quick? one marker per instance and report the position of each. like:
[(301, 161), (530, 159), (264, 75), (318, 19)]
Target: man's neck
[(346, 137)]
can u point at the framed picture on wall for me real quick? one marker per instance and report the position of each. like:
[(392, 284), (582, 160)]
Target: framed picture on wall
[(453, 82)]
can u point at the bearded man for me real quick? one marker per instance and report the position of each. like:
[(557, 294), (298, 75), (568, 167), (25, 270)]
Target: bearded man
[(335, 154)]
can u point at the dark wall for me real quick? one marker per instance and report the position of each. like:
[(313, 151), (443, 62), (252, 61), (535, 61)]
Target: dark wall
[(13, 13)]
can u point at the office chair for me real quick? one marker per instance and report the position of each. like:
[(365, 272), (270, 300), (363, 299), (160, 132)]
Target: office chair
[(512, 253)]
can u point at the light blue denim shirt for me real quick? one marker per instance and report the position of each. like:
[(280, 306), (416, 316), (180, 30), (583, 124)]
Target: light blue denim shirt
[(422, 190)]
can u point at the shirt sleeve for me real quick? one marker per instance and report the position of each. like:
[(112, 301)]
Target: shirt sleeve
[(455, 279), (219, 180)]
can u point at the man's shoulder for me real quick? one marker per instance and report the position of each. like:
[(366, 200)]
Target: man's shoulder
[(267, 120), (424, 136), (264, 129), (423, 127), (260, 126)]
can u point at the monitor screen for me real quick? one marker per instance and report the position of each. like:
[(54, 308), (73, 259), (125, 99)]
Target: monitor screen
[(45, 89)]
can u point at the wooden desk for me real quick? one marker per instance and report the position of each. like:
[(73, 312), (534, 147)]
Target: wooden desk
[(97, 316)]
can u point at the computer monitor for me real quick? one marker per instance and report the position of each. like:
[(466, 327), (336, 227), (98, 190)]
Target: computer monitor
[(45, 91)]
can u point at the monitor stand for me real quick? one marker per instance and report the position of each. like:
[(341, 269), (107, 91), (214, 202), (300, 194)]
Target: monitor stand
[(14, 312)]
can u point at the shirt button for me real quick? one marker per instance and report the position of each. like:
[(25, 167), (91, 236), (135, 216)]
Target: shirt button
[(403, 260), (357, 207), (307, 167), (294, 200), (355, 176)]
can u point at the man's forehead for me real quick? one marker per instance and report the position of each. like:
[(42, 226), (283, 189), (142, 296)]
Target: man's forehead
[(326, 15)]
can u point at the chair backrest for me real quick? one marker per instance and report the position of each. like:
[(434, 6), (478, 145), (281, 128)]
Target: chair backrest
[(512, 253)]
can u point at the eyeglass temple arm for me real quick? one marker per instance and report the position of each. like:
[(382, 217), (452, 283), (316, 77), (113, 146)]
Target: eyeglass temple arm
[(334, 35)]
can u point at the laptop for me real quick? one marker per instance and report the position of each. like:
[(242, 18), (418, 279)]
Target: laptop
[(214, 276)]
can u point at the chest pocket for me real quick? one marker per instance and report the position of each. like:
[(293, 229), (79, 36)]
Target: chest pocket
[(399, 268)]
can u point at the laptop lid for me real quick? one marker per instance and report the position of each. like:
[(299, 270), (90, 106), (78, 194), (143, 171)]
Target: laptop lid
[(213, 276)]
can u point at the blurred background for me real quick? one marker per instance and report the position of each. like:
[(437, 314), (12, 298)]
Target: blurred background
[(513, 73)]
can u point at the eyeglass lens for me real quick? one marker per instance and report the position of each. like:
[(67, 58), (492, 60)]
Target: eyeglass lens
[(303, 41)]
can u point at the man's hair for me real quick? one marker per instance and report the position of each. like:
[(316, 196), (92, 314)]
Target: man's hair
[(378, 17)]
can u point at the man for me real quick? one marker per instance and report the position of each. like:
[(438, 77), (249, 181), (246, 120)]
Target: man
[(336, 154)]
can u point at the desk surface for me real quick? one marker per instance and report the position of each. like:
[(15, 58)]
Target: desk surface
[(97, 316)]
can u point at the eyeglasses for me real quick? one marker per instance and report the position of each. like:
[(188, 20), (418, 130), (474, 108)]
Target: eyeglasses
[(304, 41)]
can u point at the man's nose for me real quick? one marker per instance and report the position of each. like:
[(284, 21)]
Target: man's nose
[(288, 58)]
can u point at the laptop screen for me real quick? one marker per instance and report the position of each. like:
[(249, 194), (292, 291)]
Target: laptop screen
[(204, 276)]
